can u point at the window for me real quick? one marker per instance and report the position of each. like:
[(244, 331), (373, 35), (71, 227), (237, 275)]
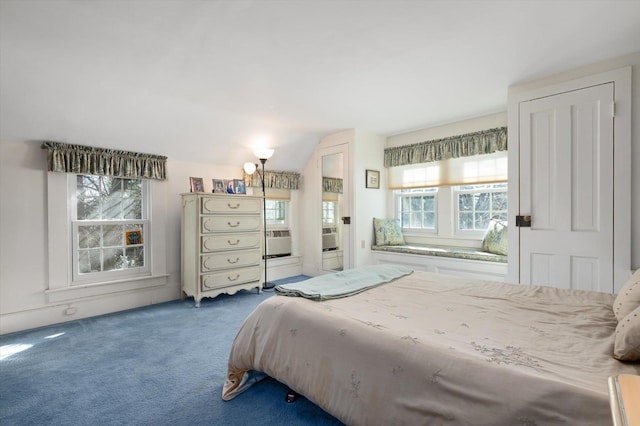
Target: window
[(476, 205), (451, 211), (276, 212), (417, 208), (110, 228), (329, 212)]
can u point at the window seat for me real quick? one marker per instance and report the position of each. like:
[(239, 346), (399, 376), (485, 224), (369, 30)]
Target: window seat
[(459, 261), (444, 251)]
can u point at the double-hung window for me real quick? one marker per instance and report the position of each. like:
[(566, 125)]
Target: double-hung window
[(276, 213), (476, 205), (110, 228)]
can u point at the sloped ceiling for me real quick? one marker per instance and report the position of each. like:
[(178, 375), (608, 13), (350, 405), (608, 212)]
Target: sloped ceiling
[(207, 81)]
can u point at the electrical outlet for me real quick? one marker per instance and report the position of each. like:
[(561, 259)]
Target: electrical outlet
[(362, 244)]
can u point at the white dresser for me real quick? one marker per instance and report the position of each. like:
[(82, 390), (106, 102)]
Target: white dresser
[(221, 244)]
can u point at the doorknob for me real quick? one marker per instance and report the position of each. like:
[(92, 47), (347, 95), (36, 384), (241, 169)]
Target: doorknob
[(346, 220), (523, 221)]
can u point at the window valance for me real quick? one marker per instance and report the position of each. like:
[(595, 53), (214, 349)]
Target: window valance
[(332, 185), (68, 158), (470, 144), (273, 179)]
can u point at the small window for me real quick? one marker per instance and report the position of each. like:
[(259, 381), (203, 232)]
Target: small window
[(276, 212), (110, 228), (417, 208), (476, 205), (329, 212)]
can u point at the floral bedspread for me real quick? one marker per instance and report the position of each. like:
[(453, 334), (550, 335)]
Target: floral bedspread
[(438, 349)]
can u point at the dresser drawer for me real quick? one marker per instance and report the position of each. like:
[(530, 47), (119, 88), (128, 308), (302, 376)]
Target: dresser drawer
[(229, 259), (233, 205), (230, 277), (219, 242), (230, 223)]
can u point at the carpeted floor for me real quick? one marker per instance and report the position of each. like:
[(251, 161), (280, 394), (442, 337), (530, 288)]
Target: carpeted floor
[(159, 365)]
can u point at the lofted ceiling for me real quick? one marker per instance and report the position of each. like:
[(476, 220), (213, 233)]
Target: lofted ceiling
[(206, 81)]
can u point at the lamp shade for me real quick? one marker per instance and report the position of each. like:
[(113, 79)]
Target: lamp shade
[(249, 168), (263, 153)]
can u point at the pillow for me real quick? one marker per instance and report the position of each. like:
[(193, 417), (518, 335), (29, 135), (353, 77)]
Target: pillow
[(626, 346), (629, 297), (495, 238), (388, 232)]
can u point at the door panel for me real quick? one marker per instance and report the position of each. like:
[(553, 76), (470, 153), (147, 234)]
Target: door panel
[(566, 185)]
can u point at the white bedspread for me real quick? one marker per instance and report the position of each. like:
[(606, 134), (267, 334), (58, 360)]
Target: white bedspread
[(436, 349)]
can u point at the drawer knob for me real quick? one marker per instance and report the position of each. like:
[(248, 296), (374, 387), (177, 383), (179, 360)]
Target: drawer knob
[(233, 244), (233, 279), (233, 207), (233, 226), (233, 261)]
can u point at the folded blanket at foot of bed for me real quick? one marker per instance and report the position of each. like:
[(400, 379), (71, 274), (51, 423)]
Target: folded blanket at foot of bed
[(343, 284)]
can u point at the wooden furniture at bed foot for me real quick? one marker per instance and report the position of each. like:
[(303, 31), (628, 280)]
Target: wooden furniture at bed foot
[(624, 396), (221, 244)]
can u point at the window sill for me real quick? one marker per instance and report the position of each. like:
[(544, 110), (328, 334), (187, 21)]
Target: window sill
[(103, 288)]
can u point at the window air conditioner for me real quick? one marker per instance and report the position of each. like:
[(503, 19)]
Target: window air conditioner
[(329, 239), (278, 243)]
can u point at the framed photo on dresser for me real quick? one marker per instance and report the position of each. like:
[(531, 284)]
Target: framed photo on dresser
[(196, 184)]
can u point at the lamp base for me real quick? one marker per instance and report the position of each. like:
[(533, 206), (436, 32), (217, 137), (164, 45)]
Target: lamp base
[(268, 286)]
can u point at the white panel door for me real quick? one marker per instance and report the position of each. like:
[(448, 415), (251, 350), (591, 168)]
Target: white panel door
[(566, 186)]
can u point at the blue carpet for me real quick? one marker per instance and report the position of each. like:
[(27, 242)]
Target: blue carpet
[(159, 365)]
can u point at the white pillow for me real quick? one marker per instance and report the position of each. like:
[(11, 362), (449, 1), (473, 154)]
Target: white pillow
[(629, 297), (627, 340)]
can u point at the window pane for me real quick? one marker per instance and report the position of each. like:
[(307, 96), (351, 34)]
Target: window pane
[(481, 220), (499, 201), (482, 201), (465, 221), (135, 257), (89, 261), (112, 235), (113, 259), (465, 202), (404, 220), (406, 203), (88, 236), (428, 204), (88, 208), (132, 208), (429, 221)]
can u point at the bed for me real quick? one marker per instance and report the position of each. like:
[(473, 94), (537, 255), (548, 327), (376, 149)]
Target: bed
[(435, 349)]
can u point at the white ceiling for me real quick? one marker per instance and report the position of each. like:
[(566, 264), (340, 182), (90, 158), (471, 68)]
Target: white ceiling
[(199, 81)]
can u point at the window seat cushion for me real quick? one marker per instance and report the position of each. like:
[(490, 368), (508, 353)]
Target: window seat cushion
[(444, 251)]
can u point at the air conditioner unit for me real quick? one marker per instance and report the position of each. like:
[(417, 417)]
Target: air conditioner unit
[(278, 243), (329, 238)]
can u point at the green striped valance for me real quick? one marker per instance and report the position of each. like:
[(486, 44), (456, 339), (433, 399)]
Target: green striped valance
[(483, 142), (332, 185), (68, 158), (273, 179)]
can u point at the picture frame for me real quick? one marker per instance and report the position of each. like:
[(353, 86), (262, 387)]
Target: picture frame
[(196, 184), (239, 187), (219, 186), (372, 179), (228, 184)]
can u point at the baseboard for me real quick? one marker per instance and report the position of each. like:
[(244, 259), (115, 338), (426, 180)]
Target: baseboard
[(85, 308)]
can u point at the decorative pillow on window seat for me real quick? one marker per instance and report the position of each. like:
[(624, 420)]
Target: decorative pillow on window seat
[(495, 238), (388, 232)]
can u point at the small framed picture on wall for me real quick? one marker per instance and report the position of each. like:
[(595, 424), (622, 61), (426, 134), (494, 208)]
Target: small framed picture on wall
[(373, 179), (196, 184)]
